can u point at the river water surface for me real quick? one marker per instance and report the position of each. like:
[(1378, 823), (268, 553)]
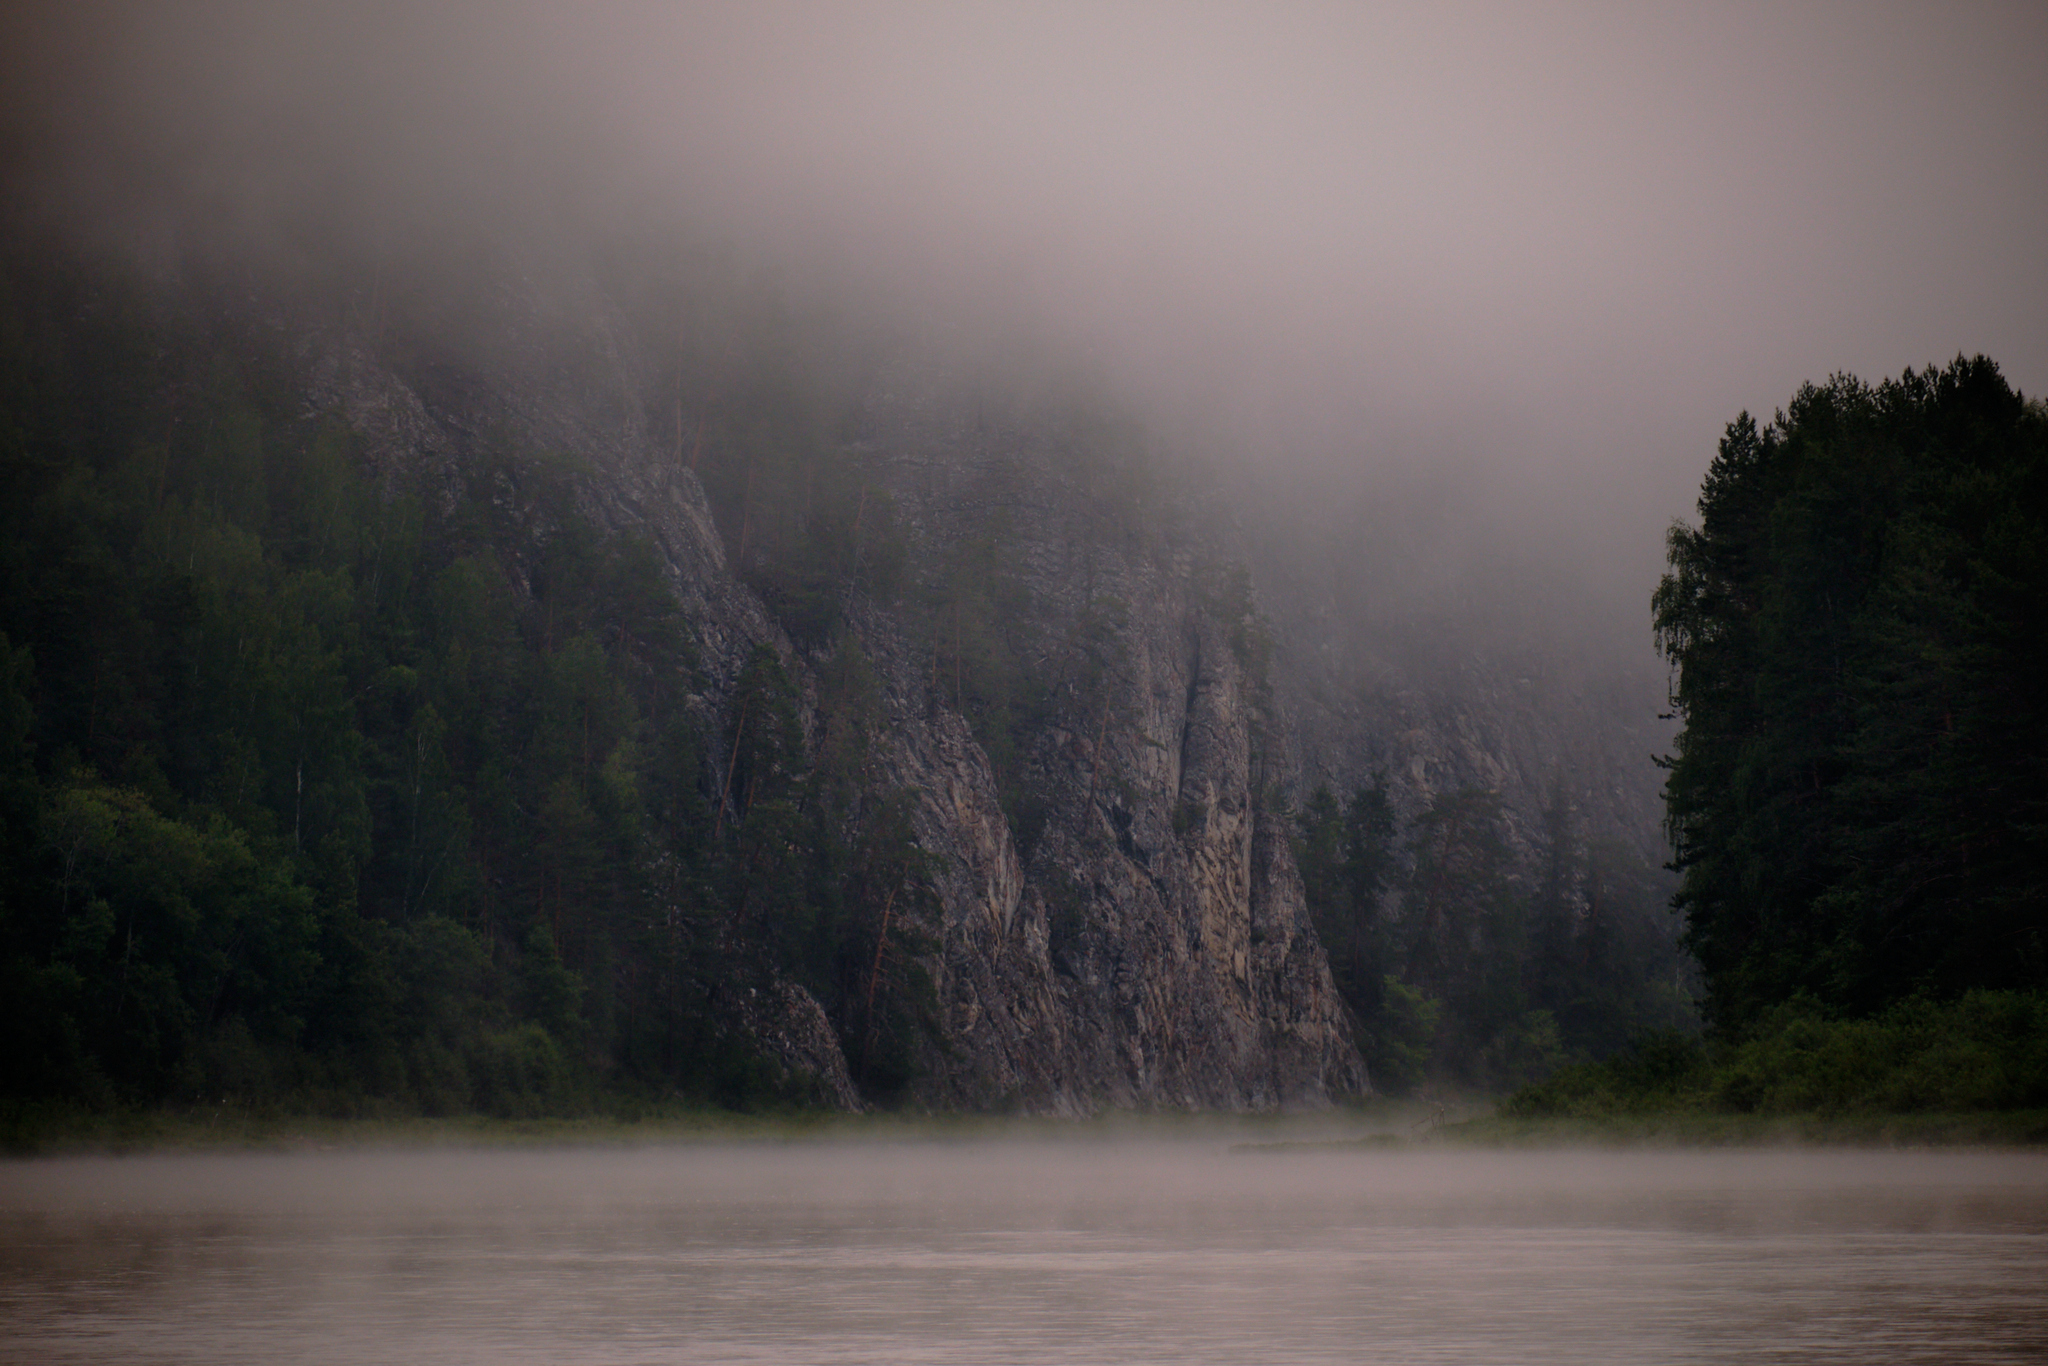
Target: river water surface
[(1178, 1250)]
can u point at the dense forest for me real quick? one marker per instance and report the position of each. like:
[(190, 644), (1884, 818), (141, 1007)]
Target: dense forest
[(1857, 800), (360, 787), (1859, 797), (1465, 963), (346, 785)]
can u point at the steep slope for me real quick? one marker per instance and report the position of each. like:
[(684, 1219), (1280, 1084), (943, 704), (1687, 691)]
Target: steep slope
[(1150, 946), (923, 739)]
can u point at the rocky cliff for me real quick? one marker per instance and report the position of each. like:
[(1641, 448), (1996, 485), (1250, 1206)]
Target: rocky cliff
[(1130, 931), (1152, 946)]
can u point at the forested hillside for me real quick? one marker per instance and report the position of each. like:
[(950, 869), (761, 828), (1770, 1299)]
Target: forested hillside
[(444, 688), (453, 708), (353, 784)]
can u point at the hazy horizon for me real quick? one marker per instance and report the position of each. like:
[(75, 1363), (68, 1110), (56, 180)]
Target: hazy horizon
[(1528, 263)]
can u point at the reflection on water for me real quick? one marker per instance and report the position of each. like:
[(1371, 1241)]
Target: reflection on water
[(1176, 1251)]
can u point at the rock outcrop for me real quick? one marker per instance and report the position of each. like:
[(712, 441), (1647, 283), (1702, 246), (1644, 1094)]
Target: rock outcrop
[(1154, 949), (1152, 946)]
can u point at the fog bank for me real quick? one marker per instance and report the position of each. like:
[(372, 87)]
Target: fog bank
[(1521, 264)]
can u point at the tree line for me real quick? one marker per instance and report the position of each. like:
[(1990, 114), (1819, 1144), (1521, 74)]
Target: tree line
[(1464, 960), (1858, 798)]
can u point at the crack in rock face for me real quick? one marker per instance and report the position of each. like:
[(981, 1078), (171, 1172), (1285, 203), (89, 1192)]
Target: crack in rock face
[(1152, 947)]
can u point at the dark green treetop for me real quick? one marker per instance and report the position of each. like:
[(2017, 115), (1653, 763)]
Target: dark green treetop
[(1856, 634)]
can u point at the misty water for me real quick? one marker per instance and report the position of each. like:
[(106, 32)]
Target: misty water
[(1184, 1250)]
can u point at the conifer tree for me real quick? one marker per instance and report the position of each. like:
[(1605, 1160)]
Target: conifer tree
[(1859, 796)]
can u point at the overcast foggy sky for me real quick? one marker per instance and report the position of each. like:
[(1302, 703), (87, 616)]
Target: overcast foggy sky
[(1552, 249)]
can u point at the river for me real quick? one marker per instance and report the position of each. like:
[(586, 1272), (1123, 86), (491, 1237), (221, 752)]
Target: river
[(1174, 1250)]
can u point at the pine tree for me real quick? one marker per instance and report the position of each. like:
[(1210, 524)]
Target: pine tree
[(1855, 627)]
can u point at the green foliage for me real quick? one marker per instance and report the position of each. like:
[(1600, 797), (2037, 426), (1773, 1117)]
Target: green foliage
[(223, 935), (1455, 966), (1856, 632), (1984, 1051), (361, 791), (1400, 1036), (1659, 1071), (1466, 935)]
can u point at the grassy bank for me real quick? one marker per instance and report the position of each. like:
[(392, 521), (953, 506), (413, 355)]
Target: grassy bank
[(1971, 1070), (1698, 1129), (2003, 1128), (1968, 1071)]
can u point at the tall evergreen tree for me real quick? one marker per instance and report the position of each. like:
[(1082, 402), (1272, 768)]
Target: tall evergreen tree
[(1859, 796)]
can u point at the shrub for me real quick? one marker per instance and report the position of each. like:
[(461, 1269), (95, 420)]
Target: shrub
[(1987, 1050)]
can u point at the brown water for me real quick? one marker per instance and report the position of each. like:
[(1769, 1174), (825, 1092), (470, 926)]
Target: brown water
[(1179, 1251)]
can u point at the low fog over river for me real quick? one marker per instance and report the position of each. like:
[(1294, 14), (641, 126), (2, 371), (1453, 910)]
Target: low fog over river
[(1141, 1250)]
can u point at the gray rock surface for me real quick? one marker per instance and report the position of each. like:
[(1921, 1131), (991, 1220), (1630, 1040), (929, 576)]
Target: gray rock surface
[(1153, 948)]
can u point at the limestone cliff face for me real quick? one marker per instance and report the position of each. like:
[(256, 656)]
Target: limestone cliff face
[(1154, 949), (1151, 947)]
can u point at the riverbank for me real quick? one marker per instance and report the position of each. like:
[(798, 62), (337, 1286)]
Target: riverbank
[(1373, 1125), (54, 1130), (2019, 1128)]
